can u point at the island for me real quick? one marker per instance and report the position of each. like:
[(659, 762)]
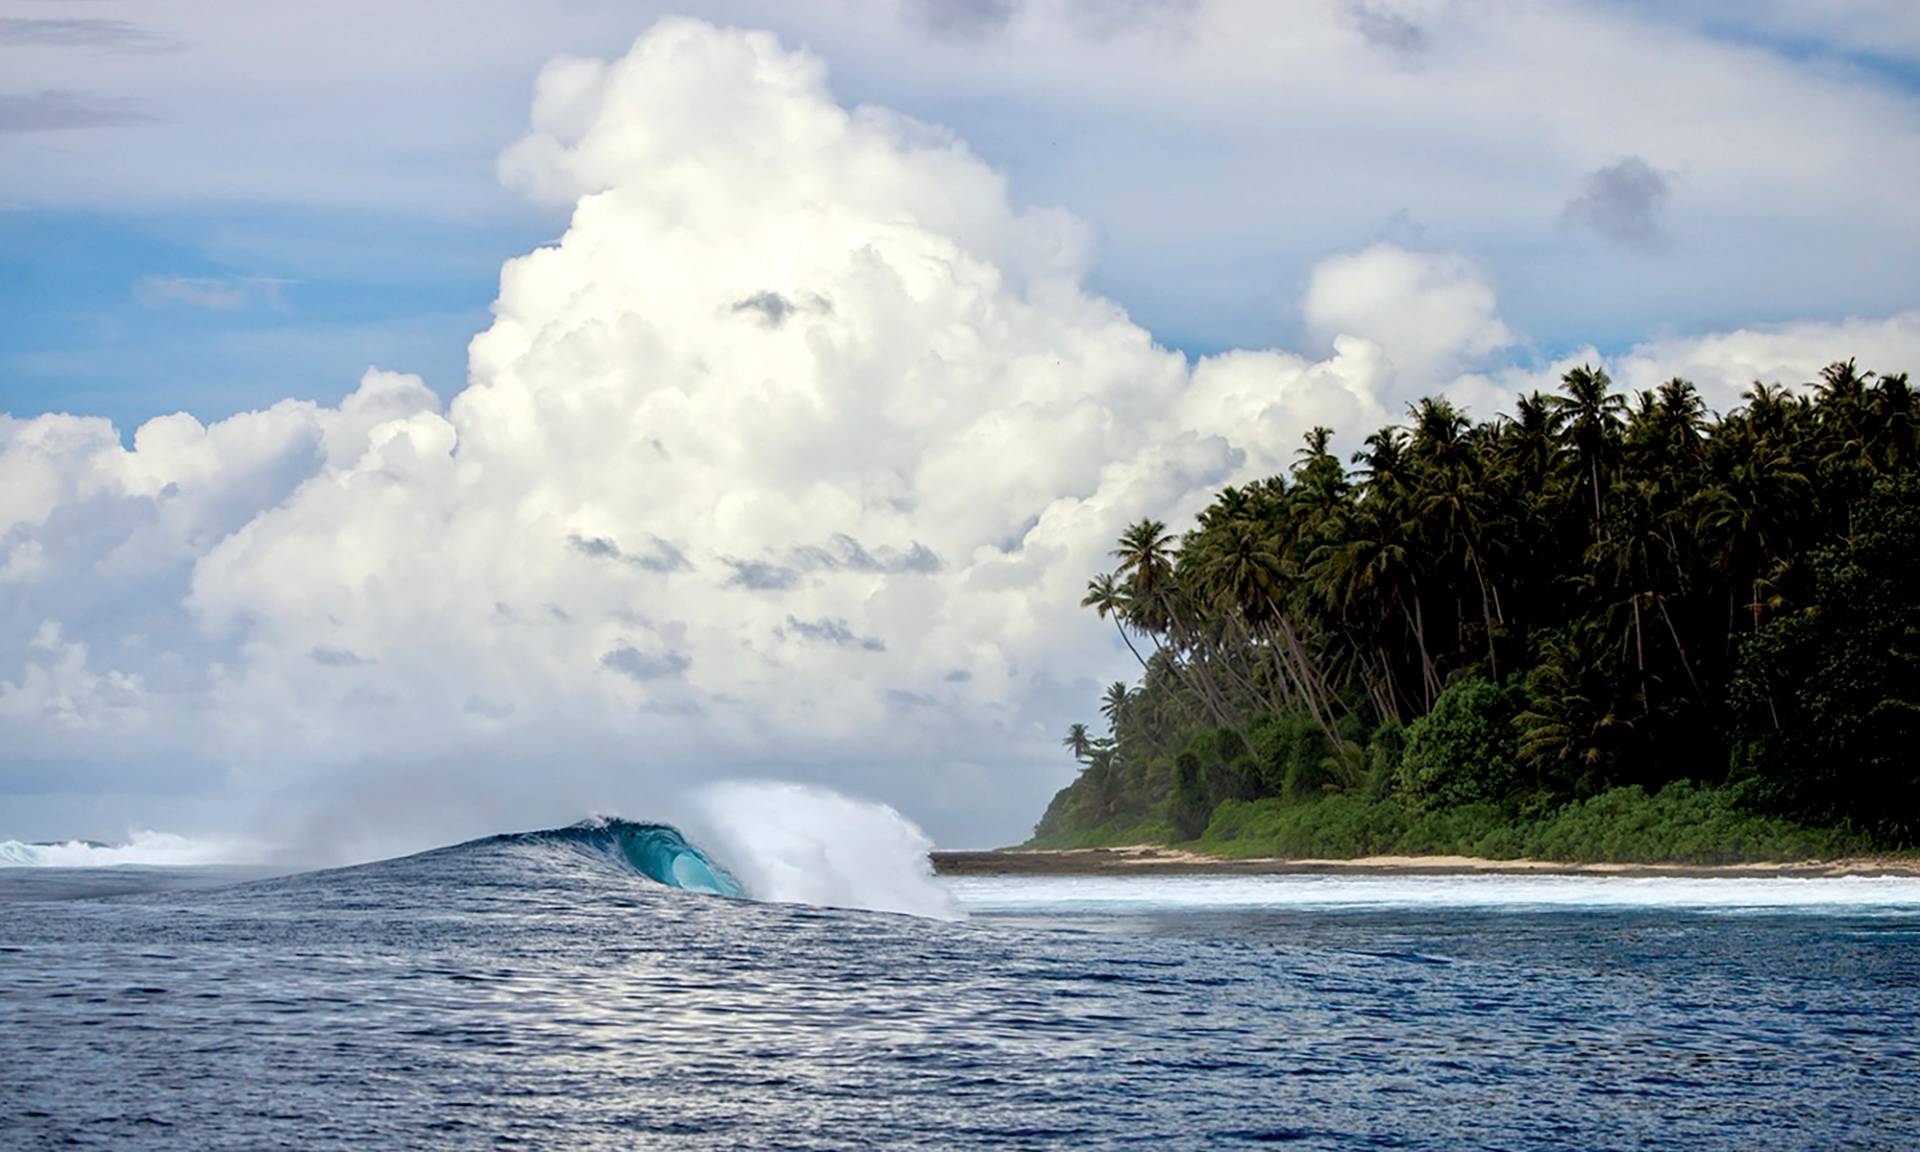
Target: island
[(1603, 629)]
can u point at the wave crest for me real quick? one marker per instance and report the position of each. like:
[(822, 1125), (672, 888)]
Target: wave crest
[(656, 851)]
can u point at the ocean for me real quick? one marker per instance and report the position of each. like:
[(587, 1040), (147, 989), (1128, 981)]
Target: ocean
[(609, 986)]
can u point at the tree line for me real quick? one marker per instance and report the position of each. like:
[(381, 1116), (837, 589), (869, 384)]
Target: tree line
[(1599, 590)]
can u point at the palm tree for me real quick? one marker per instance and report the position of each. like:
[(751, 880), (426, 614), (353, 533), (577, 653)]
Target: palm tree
[(1111, 601), (1571, 723), (1114, 705), (1079, 741), (1746, 518), (1896, 439), (1590, 412), (1147, 555)]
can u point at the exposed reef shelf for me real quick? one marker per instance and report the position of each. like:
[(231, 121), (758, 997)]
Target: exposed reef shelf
[(1161, 861)]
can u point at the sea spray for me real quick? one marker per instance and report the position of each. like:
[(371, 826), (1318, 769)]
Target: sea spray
[(801, 844)]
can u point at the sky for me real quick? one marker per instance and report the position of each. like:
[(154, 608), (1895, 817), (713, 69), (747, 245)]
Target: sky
[(422, 420)]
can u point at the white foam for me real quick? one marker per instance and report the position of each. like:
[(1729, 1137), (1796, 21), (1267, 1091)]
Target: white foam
[(1149, 893), (799, 844), (148, 848)]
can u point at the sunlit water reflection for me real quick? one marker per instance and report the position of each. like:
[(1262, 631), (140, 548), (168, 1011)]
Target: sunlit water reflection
[(482, 998)]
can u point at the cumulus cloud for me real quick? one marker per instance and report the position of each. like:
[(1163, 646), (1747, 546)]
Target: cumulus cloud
[(1430, 313), (650, 543), (1625, 203), (1723, 365)]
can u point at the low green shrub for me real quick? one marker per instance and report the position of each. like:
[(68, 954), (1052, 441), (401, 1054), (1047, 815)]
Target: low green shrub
[(1681, 823)]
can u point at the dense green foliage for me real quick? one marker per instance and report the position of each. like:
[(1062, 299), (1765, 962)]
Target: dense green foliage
[(1605, 627)]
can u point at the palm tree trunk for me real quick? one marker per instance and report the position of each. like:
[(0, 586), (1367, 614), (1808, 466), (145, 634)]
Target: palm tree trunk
[(1430, 678), (1216, 703), (1128, 641), (1685, 664), (1486, 614), (1640, 655)]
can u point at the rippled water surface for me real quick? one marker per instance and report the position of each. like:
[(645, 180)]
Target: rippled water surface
[(501, 995)]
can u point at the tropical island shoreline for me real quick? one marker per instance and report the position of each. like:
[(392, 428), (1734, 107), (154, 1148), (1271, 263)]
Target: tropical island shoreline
[(1160, 860), (1607, 627)]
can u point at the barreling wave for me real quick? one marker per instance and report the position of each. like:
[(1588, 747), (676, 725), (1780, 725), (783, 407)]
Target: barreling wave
[(656, 851), (783, 843)]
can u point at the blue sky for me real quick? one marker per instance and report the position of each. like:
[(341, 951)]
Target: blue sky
[(134, 314)]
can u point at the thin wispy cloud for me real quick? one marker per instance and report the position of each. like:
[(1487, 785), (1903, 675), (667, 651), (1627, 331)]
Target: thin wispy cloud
[(54, 111), (221, 294), (83, 32)]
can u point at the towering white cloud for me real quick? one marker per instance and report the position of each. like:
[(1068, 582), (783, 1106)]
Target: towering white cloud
[(792, 456)]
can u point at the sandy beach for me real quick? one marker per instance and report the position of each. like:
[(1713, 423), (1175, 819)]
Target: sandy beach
[(1149, 859)]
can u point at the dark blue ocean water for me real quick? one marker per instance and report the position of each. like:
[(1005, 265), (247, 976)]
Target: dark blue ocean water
[(509, 994)]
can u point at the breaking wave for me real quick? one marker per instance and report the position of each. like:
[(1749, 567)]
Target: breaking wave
[(776, 842), (656, 851)]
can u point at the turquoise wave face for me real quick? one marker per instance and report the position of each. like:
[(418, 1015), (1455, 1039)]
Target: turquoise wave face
[(657, 851)]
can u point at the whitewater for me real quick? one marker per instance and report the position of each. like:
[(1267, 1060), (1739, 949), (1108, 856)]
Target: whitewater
[(780, 969)]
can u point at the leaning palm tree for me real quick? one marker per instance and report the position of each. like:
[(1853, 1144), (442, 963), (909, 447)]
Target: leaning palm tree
[(1110, 600), (1146, 556)]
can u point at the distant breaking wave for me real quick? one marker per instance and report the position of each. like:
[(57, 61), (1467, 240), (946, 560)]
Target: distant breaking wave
[(149, 849)]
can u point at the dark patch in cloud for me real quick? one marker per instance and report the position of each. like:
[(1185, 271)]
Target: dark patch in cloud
[(88, 32), (595, 546), (902, 699), (771, 307), (659, 555), (958, 676), (644, 666), (64, 111), (1018, 538), (760, 575), (833, 630), (492, 710), (337, 657), (1382, 27), (1625, 203), (970, 19), (1106, 19), (844, 552)]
